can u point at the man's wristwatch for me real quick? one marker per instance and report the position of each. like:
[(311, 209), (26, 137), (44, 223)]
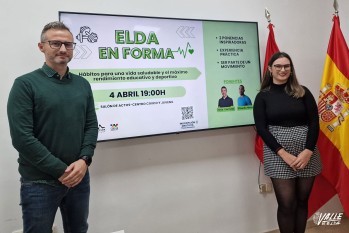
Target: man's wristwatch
[(88, 160)]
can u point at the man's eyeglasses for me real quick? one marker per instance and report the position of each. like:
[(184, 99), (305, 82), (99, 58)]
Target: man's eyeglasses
[(279, 67), (55, 44)]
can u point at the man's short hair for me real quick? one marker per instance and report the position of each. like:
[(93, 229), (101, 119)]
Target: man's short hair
[(56, 25)]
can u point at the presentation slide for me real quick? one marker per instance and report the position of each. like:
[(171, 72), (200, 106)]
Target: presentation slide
[(153, 76)]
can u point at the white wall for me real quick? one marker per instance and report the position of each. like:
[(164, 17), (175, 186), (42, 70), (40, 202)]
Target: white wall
[(198, 182)]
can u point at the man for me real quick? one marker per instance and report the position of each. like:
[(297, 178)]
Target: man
[(54, 128), (243, 99), (225, 101)]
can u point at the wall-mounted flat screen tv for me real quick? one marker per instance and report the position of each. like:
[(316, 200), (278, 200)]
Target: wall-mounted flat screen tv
[(154, 76)]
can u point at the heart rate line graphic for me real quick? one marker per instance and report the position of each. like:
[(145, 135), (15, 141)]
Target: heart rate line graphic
[(185, 51)]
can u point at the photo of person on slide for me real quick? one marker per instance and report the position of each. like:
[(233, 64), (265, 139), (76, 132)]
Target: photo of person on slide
[(243, 99), (225, 101)]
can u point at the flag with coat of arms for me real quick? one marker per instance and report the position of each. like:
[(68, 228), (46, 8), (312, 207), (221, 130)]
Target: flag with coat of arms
[(333, 106)]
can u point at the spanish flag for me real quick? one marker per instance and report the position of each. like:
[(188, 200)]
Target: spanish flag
[(333, 106), (269, 51)]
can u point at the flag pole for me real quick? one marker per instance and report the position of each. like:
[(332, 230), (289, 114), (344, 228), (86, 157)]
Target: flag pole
[(267, 15), (335, 6)]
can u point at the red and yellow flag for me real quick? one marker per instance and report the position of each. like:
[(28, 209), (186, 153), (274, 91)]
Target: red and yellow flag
[(333, 106), (269, 51)]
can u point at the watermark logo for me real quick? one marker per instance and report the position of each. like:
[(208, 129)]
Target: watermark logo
[(327, 218)]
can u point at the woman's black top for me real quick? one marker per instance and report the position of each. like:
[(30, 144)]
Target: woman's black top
[(276, 107)]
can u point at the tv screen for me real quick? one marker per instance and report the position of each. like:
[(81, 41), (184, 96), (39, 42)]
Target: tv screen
[(153, 76)]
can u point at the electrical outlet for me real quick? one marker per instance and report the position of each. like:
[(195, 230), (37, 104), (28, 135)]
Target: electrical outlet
[(265, 188)]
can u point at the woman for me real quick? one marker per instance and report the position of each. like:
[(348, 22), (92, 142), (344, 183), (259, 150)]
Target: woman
[(286, 118)]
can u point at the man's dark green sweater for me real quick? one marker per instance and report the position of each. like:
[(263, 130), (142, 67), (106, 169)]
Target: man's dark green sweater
[(52, 122)]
